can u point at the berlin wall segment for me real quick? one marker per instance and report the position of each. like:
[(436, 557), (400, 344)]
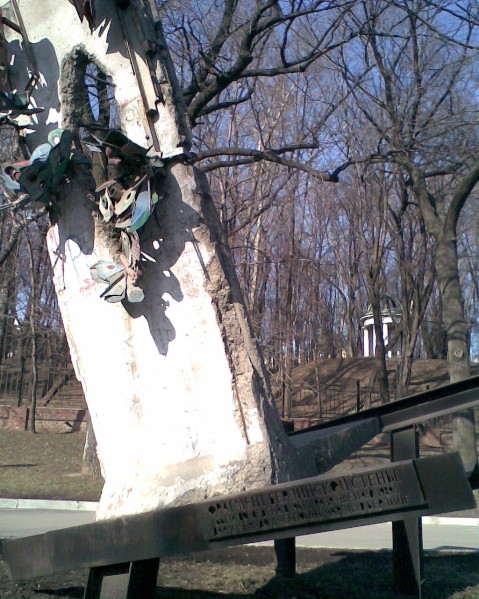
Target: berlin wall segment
[(158, 331)]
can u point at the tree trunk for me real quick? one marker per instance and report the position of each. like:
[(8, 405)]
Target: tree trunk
[(442, 225), (288, 327), (33, 336), (380, 354), (381, 369), (457, 331), (405, 370), (91, 464), (34, 384)]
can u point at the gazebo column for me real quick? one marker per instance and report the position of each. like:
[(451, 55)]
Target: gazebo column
[(386, 336), (366, 341)]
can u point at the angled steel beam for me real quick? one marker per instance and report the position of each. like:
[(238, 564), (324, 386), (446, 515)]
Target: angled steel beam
[(411, 410), (409, 488)]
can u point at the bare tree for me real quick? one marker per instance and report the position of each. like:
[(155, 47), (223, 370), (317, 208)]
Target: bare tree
[(417, 276), (410, 86), (228, 54)]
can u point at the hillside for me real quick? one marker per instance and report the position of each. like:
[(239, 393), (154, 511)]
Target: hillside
[(330, 387)]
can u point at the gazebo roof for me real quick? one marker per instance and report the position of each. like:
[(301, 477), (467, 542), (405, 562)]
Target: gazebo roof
[(392, 308)]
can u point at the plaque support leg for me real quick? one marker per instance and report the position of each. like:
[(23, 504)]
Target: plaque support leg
[(123, 581), (407, 534), (143, 577), (285, 550), (107, 582)]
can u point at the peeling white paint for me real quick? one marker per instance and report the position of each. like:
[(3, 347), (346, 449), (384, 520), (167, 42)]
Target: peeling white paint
[(53, 118)]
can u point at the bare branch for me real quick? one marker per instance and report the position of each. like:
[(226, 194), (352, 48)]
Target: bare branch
[(211, 80), (462, 192), (251, 156)]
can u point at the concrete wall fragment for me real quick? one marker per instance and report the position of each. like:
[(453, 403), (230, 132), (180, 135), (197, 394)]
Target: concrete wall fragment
[(175, 384)]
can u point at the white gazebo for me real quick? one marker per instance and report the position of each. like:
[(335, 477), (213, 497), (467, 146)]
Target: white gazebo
[(391, 316)]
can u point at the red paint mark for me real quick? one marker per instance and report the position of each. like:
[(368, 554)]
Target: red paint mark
[(88, 284)]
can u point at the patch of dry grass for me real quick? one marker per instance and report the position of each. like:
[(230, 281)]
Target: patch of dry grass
[(45, 466), (248, 573)]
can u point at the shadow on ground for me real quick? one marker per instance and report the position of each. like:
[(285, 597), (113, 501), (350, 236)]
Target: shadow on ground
[(248, 573)]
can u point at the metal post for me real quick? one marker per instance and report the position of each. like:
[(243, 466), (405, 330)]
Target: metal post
[(108, 582), (123, 581), (285, 550), (143, 577), (407, 534), (20, 384)]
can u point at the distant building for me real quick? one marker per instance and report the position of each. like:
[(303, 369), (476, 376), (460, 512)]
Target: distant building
[(391, 316)]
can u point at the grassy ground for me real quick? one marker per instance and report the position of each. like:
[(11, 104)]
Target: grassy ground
[(44, 466), (248, 573)]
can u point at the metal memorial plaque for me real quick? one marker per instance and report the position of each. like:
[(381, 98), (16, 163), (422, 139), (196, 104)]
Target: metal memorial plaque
[(322, 499), (406, 489)]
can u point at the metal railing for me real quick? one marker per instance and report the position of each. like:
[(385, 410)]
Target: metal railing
[(333, 401), (53, 383)]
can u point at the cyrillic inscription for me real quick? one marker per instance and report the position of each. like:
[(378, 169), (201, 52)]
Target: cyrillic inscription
[(344, 497)]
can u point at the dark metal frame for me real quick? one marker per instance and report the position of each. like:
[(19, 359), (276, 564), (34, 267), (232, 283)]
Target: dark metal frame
[(400, 418), (407, 534), (123, 553)]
